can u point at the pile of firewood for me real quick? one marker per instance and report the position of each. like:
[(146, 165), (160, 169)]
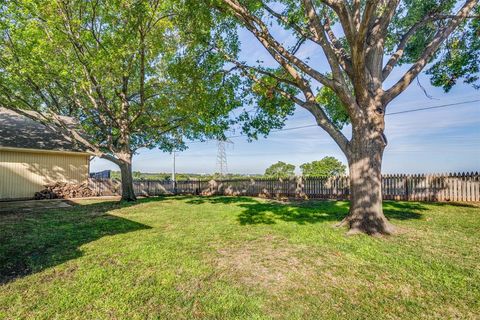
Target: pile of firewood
[(64, 190)]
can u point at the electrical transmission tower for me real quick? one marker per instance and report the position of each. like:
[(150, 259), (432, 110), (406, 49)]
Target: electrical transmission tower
[(222, 157)]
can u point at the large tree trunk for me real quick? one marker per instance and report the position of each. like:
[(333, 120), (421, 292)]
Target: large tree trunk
[(365, 166), (125, 164)]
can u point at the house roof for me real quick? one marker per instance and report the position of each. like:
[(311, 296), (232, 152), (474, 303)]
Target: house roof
[(18, 131)]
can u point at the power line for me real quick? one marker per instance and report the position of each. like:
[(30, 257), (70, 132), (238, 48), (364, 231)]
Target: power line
[(434, 107), (258, 154), (314, 125), (387, 114)]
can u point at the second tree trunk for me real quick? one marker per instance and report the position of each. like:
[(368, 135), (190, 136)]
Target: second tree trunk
[(128, 193)]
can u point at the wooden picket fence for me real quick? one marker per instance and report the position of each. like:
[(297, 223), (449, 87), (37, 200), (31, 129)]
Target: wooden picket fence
[(461, 187)]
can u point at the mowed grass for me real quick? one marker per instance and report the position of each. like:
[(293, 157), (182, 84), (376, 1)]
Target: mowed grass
[(237, 258)]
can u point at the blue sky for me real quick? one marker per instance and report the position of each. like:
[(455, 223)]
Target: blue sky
[(430, 141)]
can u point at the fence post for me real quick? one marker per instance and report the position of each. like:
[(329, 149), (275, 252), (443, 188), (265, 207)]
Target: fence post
[(299, 190), (407, 196)]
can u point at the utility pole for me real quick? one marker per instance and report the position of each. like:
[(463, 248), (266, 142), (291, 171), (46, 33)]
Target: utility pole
[(174, 182)]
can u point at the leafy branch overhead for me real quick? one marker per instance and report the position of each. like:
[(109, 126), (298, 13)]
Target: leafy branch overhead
[(443, 33), (128, 67)]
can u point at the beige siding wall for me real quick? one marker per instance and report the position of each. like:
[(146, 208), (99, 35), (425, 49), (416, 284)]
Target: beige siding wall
[(24, 173)]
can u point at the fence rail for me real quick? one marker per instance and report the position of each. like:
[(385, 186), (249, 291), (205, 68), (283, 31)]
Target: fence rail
[(464, 187)]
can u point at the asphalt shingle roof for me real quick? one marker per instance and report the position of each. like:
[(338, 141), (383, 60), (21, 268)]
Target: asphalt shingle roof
[(18, 131)]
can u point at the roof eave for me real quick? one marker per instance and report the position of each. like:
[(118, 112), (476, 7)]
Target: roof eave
[(30, 150)]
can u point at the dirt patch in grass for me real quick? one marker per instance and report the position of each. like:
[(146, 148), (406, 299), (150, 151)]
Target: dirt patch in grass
[(268, 263)]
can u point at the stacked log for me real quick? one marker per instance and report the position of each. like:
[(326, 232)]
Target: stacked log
[(63, 190)]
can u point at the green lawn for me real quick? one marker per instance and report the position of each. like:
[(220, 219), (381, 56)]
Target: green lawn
[(237, 258)]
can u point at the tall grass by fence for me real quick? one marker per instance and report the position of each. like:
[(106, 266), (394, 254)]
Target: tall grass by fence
[(463, 187)]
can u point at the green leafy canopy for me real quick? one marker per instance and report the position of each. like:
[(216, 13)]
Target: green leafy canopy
[(326, 167), (280, 170), (134, 73)]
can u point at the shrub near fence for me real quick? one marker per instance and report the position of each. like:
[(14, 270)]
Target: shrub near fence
[(420, 187)]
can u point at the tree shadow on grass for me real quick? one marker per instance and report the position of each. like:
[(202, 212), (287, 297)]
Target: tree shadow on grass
[(256, 211), (403, 210), (301, 213), (219, 199), (33, 241)]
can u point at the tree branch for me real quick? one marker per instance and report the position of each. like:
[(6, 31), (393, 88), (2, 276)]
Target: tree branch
[(318, 29), (397, 55), (313, 107), (276, 50), (339, 49), (430, 50), (345, 16)]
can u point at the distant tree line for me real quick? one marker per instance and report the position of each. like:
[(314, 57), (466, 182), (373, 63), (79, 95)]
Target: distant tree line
[(137, 175), (326, 167)]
